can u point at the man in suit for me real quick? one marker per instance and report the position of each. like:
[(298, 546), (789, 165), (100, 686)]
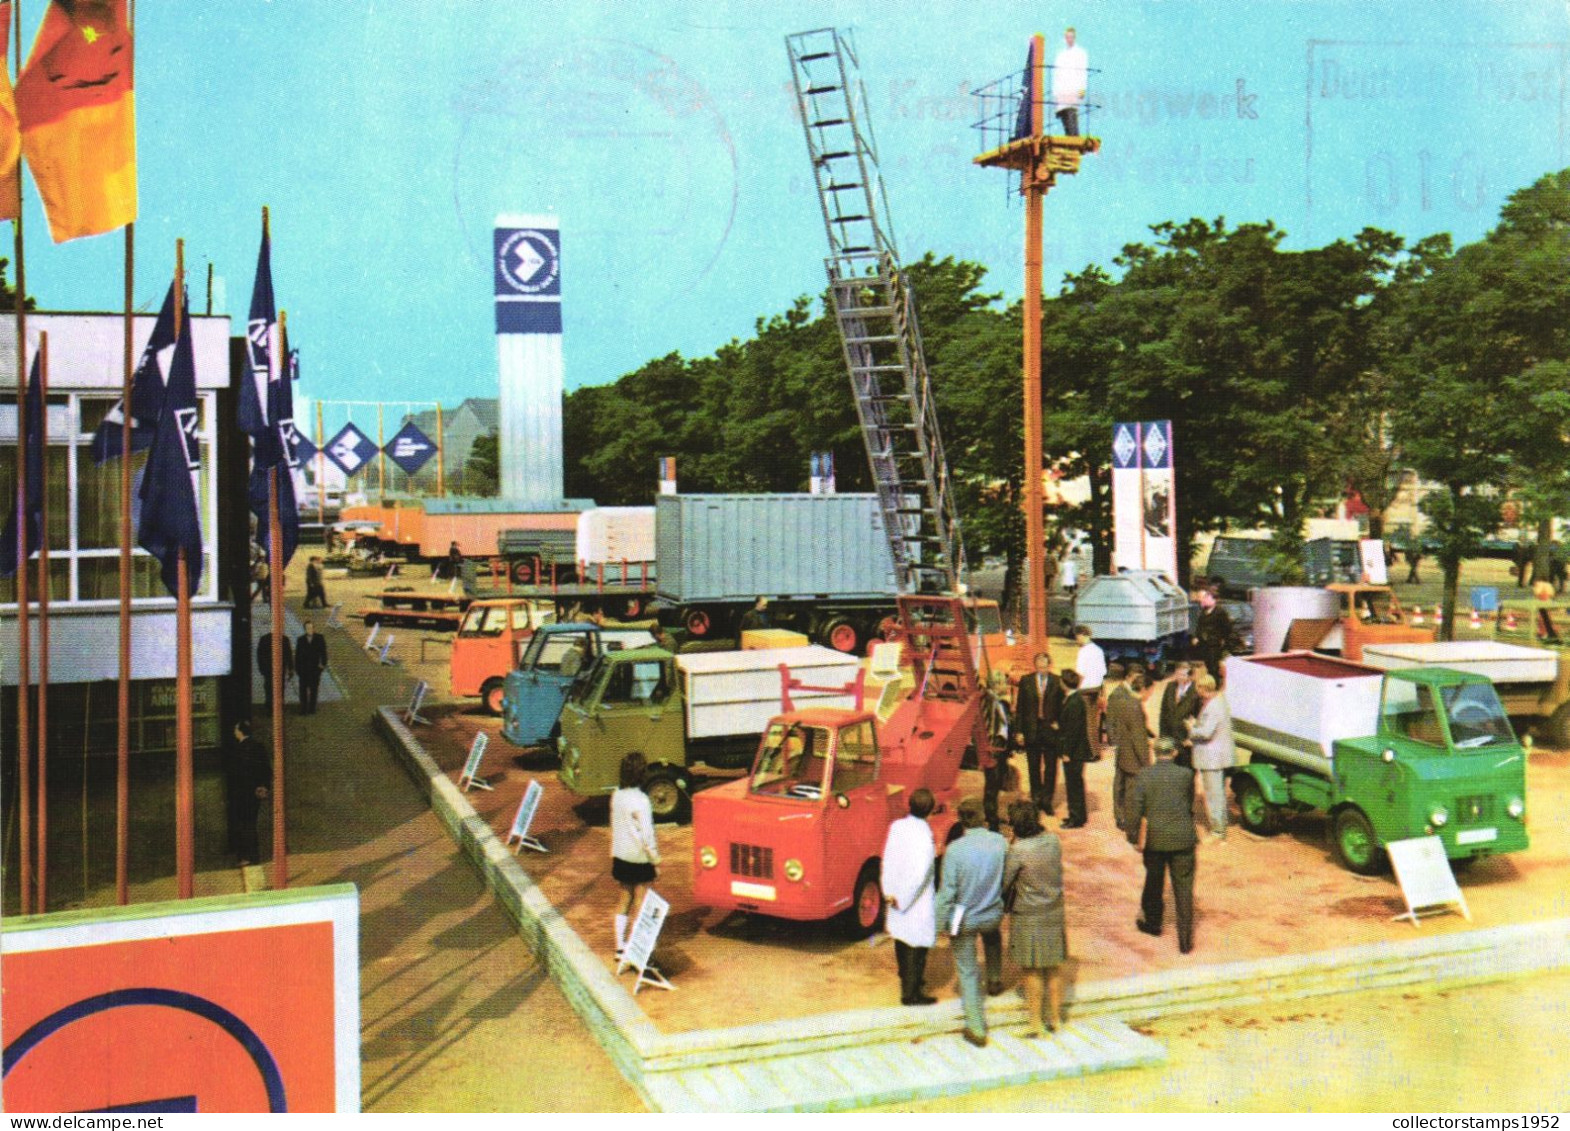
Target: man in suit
[(310, 660), (1161, 805), (248, 774), (973, 886), (1037, 704), (1179, 703), (264, 665), (1213, 635), (315, 591), (1128, 731), (1075, 747)]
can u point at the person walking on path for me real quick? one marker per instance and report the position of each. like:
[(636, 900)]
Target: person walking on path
[(1076, 748), (908, 875), (1162, 808), (635, 856), (1128, 731), (264, 665), (1038, 936), (310, 661), (1037, 704), (1179, 703), (315, 591), (1214, 752), (970, 907), (248, 774)]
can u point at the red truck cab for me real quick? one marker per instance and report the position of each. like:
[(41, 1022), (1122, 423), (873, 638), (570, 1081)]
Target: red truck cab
[(490, 643), (801, 837)]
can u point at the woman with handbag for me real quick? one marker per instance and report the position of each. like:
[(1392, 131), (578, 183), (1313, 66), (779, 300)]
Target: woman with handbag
[(1033, 894)]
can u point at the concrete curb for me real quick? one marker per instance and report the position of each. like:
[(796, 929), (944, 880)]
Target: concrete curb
[(641, 1051)]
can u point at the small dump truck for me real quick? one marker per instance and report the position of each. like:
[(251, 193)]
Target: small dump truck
[(556, 656), (694, 716), (1389, 755), (1531, 682)]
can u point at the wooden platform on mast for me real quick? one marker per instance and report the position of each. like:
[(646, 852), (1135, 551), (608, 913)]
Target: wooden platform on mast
[(1048, 154)]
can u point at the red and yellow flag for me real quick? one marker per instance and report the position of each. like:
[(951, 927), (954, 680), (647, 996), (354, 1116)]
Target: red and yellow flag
[(10, 133), (76, 106)]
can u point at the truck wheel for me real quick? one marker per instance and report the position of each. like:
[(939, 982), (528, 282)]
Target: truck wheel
[(491, 694), (666, 797), (523, 573), (866, 906), (1258, 815), (697, 623), (1357, 846), (634, 608), (1559, 727), (842, 634)]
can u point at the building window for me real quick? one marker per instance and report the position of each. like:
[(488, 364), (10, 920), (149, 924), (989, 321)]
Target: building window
[(84, 541)]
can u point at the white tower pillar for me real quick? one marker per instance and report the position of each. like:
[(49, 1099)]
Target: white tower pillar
[(529, 357)]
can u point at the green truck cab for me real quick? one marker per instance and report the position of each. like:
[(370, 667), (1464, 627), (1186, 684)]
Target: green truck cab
[(691, 716), (1387, 755)]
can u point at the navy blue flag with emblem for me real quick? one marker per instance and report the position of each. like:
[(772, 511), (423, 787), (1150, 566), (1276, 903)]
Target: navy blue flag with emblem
[(170, 519), (27, 513), (147, 393), (1022, 119), (258, 345), (350, 449), (410, 449), (275, 448)]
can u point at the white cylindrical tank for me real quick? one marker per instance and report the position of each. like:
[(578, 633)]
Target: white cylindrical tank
[(527, 270), (1277, 606), (615, 534)]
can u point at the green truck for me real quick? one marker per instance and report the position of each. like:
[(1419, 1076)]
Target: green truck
[(1388, 755), (692, 716)]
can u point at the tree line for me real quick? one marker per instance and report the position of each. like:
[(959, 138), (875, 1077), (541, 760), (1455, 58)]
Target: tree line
[(1291, 377)]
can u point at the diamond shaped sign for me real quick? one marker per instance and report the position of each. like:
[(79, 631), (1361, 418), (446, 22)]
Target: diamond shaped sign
[(304, 450), (410, 448), (350, 449), (1156, 447), (1124, 446)]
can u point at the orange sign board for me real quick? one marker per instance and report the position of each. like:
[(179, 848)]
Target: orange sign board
[(225, 1005)]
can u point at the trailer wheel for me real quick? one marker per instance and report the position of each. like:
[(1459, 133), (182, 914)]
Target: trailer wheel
[(492, 692), (523, 573), (1356, 844), (667, 799), (697, 623), (1558, 726), (842, 634), (1258, 815), (866, 906)]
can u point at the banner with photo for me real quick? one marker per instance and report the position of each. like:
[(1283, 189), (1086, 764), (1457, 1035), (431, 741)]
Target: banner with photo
[(1127, 499), (1144, 497)]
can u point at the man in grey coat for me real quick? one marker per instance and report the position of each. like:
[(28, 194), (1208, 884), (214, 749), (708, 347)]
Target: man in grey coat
[(1214, 752), (1127, 730), (1161, 806), (972, 893)]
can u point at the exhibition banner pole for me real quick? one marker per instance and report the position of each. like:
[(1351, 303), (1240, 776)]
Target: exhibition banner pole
[(275, 599), (185, 784), (24, 685), (122, 796), (43, 630), (1035, 533)]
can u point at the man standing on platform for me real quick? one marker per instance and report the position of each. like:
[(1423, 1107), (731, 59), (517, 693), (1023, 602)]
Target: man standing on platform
[(1070, 70), (1038, 702), (1161, 806), (970, 906), (310, 660)]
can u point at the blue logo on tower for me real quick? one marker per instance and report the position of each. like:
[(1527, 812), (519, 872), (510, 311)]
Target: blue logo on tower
[(528, 262)]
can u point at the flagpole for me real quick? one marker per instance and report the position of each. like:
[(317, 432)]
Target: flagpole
[(43, 628), (441, 470), (275, 579), (122, 795), (321, 483), (381, 455), (185, 787), (24, 613)]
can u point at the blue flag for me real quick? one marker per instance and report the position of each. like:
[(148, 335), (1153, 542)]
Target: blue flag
[(1027, 96), (410, 449), (147, 393), (350, 449), (170, 519), (259, 344), (27, 512), (276, 449)]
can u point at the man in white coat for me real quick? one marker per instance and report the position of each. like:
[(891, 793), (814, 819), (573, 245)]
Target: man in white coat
[(1214, 751), (1069, 73), (909, 882)]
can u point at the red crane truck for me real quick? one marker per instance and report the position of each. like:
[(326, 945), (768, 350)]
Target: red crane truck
[(801, 836)]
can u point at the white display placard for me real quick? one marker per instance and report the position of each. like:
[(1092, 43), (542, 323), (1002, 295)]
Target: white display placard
[(519, 836), (411, 713), (645, 935), (1372, 553), (1427, 882), (471, 766)]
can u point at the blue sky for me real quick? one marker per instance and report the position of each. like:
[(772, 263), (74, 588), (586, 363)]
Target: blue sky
[(386, 135)]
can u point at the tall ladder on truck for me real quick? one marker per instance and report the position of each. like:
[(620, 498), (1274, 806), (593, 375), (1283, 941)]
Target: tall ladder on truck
[(875, 309)]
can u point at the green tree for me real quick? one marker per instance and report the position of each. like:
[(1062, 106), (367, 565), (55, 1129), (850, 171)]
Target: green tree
[(482, 467)]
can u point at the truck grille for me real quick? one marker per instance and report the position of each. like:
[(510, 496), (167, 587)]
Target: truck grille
[(752, 860), (1477, 809)]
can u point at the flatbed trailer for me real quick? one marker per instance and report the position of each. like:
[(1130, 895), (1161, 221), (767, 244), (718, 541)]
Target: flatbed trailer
[(415, 608)]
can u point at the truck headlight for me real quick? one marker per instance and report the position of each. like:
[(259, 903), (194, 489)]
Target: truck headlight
[(708, 857), (1516, 808), (1439, 818), (793, 871)]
